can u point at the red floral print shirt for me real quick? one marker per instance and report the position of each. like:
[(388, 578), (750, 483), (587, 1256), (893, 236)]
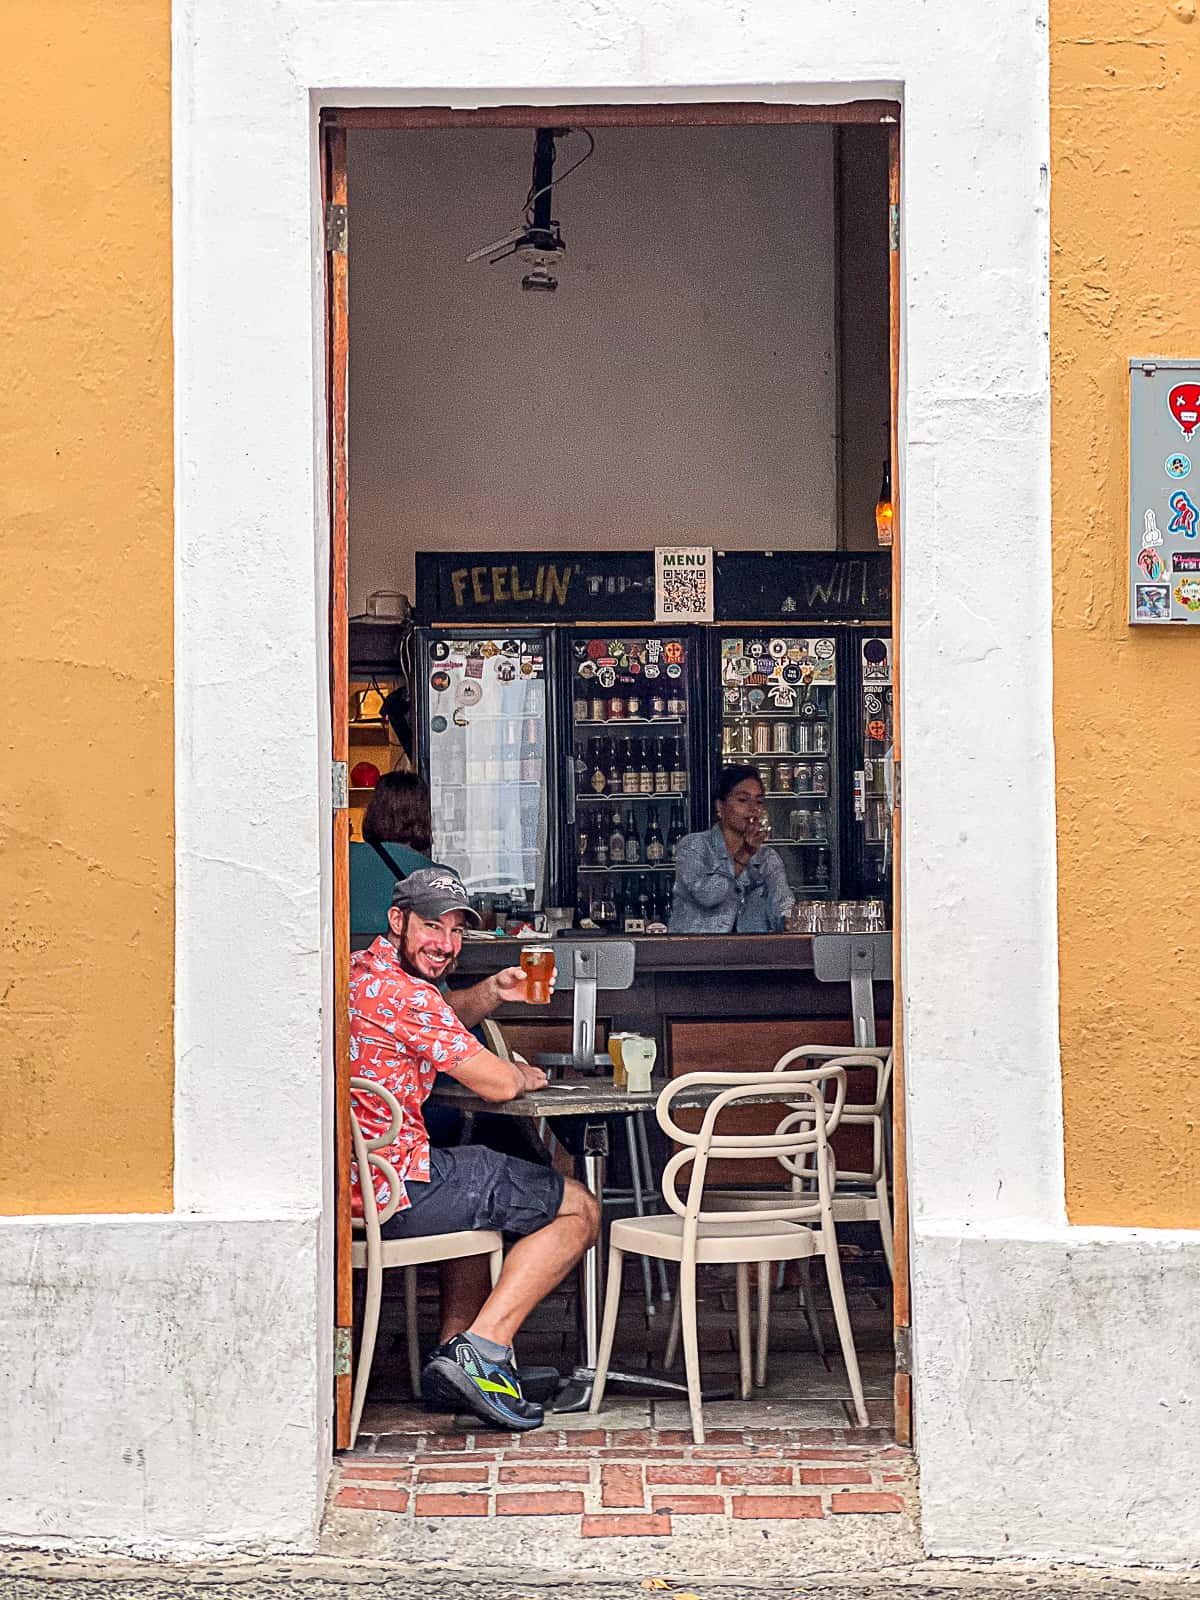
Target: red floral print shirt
[(402, 1033)]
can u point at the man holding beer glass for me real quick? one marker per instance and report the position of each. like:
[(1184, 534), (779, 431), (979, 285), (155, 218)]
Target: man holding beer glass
[(402, 1034)]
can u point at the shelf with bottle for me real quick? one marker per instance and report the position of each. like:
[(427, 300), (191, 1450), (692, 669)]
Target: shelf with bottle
[(623, 839), (630, 767), (795, 715), (641, 867)]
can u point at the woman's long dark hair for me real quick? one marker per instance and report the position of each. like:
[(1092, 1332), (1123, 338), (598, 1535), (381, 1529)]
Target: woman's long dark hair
[(399, 812)]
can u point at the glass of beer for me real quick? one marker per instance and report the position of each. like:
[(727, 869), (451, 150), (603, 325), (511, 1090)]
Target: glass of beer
[(615, 1041), (537, 963)]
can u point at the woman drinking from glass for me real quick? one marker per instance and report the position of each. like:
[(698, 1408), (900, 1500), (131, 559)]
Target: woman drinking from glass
[(728, 880)]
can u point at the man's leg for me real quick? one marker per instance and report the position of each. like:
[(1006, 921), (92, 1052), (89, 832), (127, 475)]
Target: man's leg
[(537, 1264), (466, 1284)]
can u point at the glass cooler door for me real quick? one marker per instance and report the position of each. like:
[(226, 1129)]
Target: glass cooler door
[(778, 713), (873, 778), (487, 737), (632, 698)]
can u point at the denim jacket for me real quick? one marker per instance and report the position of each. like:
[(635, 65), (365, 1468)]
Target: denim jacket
[(710, 898)]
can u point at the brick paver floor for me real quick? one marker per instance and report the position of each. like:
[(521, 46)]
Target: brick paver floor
[(630, 1482)]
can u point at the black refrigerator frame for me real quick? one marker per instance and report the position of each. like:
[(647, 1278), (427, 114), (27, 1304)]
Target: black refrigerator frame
[(556, 749)]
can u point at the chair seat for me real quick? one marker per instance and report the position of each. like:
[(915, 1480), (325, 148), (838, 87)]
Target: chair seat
[(746, 1239), (848, 1206), (431, 1247)]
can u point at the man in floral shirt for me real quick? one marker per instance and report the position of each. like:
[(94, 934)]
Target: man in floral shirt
[(402, 1034)]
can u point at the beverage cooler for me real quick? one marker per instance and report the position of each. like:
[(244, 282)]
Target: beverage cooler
[(777, 710), (872, 735), (636, 750), (488, 750)]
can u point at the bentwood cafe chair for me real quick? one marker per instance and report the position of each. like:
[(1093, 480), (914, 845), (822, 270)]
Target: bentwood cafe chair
[(797, 1226), (374, 1254)]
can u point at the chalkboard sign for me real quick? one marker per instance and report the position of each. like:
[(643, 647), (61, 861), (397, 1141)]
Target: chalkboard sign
[(492, 588), (551, 586), (803, 585)]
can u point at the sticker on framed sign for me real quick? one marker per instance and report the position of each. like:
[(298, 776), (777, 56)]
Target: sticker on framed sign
[(1163, 535)]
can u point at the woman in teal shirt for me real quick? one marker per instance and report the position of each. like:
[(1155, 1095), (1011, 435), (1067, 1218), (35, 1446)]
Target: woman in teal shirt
[(397, 839)]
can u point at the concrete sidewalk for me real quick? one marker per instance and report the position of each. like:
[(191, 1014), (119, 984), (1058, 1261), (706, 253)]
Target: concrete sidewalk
[(38, 1577)]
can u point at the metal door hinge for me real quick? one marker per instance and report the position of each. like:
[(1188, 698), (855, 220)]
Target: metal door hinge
[(903, 1349), (896, 784), (895, 227), (341, 786), (336, 228), (341, 1352)]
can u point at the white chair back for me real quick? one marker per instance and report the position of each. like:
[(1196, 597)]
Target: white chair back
[(802, 1135), (366, 1159)]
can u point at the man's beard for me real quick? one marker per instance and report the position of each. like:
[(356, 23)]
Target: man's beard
[(409, 966)]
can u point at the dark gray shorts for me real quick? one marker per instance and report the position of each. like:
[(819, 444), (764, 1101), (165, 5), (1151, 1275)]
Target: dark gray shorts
[(471, 1186)]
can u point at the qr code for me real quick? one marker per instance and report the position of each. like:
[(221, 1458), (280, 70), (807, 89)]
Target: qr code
[(685, 592)]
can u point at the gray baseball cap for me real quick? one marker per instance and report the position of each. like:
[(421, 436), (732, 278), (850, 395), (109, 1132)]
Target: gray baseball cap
[(432, 892)]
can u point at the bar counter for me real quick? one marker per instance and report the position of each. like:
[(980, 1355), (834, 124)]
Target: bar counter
[(706, 998)]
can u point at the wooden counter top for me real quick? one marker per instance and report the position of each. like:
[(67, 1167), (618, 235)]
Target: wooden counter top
[(665, 952)]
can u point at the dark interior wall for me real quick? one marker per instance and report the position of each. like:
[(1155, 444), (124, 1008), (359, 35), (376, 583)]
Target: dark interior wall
[(862, 188)]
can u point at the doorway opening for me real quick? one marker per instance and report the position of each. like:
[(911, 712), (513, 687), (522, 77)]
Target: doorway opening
[(710, 364)]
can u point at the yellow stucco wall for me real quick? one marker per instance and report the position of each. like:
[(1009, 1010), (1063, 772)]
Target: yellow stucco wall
[(86, 835), (1125, 197)]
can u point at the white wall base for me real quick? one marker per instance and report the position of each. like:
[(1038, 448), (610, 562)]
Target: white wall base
[(164, 1385), (1058, 1394)]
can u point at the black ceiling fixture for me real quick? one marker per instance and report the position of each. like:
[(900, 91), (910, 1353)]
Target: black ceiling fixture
[(538, 242)]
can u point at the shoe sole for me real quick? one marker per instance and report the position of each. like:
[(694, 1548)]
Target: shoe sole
[(445, 1386)]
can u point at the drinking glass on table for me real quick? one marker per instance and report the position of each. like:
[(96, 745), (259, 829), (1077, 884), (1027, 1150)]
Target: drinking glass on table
[(537, 963), (639, 1055), (616, 1056)]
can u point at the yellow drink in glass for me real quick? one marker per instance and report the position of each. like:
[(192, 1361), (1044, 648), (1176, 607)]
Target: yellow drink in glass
[(614, 1055)]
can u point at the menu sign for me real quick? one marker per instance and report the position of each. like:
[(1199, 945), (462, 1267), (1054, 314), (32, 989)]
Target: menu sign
[(1164, 491)]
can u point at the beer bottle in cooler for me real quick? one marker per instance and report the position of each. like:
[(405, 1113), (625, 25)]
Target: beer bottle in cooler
[(630, 775), (643, 903), (645, 769), (676, 832), (598, 778), (655, 849), (615, 771), (678, 767), (662, 776), (616, 840), (633, 845), (599, 853)]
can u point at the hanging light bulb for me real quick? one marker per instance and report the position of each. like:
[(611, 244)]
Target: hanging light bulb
[(885, 513)]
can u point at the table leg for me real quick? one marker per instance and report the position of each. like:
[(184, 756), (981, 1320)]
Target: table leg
[(576, 1392)]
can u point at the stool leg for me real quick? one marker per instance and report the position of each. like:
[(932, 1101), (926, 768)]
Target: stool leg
[(635, 1178), (673, 1337), (664, 1280), (743, 1328)]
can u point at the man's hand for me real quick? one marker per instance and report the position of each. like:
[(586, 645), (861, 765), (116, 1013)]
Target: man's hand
[(534, 1077), (509, 986)]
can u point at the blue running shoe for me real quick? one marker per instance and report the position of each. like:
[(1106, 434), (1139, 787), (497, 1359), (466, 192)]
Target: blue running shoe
[(457, 1378)]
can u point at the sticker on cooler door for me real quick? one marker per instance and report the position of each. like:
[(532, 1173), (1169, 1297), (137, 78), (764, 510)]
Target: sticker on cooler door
[(1151, 564), (1187, 593), (439, 682), (1177, 466), (438, 724), (1152, 602), (1183, 515), (469, 693), (1183, 402), (1151, 533), (1185, 561)]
